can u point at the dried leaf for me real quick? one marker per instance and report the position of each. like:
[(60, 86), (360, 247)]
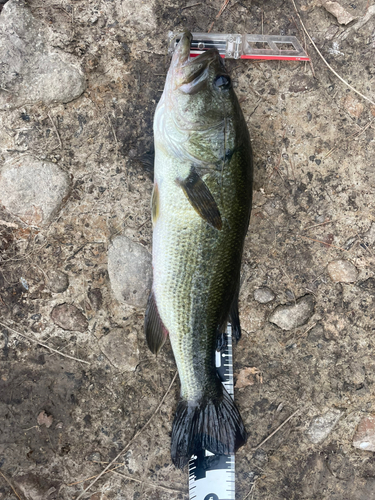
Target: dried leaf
[(248, 376), (44, 419)]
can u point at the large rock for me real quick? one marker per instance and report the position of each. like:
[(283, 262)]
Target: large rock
[(31, 70), (322, 425), (121, 349), (33, 190), (291, 316), (130, 271)]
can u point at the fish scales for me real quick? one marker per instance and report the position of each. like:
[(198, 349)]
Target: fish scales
[(201, 207)]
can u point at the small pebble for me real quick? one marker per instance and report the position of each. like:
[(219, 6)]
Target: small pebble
[(353, 106), (95, 298), (69, 317), (294, 315), (94, 457), (364, 437), (24, 283), (316, 334), (342, 271), (264, 295), (301, 83), (290, 295), (58, 281), (322, 425)]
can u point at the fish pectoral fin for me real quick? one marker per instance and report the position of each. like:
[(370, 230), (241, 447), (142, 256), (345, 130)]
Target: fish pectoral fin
[(156, 333), (201, 199)]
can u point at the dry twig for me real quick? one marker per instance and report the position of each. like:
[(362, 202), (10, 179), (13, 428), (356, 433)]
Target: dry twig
[(251, 489), (31, 339), (324, 243), (326, 63), (132, 439), (11, 485), (55, 129), (158, 486), (305, 47), (317, 225), (222, 8), (276, 430), (190, 6), (356, 134), (93, 477), (113, 130)]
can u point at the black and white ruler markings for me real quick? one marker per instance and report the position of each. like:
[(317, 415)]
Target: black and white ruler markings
[(212, 477)]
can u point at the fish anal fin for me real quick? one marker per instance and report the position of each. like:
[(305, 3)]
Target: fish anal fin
[(201, 199), (222, 338), (156, 333), (234, 319)]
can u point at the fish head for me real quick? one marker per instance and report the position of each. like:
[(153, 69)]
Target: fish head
[(198, 91)]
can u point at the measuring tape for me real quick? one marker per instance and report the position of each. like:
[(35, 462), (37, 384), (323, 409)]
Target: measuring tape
[(212, 477), (236, 46)]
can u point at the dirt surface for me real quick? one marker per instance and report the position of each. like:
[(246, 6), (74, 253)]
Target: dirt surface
[(314, 148)]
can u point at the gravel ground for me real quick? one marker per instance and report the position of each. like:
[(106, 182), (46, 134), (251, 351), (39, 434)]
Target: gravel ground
[(79, 83)]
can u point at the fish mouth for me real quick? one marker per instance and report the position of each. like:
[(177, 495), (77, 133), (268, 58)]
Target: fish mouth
[(190, 74)]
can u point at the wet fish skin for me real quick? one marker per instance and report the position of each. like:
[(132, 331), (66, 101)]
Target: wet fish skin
[(201, 207)]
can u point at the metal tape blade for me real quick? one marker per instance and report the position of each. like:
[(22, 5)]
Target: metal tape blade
[(212, 477)]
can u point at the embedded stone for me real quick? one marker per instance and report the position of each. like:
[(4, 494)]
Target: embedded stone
[(121, 349), (58, 281), (264, 295), (293, 315), (322, 425), (31, 69), (33, 190), (69, 317), (342, 271), (130, 271), (364, 437)]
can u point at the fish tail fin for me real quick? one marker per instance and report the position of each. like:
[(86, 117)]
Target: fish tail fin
[(211, 424)]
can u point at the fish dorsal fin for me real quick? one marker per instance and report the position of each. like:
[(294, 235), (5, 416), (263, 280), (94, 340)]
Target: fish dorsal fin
[(201, 199), (155, 331)]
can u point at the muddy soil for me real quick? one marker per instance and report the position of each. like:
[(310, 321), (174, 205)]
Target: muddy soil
[(314, 150)]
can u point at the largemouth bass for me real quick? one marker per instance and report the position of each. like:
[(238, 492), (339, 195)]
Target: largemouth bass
[(201, 205)]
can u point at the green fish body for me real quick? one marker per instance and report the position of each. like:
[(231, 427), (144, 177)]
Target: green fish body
[(201, 207)]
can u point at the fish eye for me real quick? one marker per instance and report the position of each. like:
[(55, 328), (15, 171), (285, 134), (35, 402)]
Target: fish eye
[(223, 82)]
